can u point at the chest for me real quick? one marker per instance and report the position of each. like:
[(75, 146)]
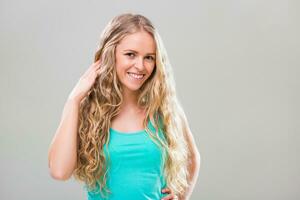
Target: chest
[(128, 123), (136, 152)]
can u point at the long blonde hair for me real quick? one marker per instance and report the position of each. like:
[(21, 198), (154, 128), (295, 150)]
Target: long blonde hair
[(158, 97)]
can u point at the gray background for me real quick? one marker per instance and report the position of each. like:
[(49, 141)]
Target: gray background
[(236, 73)]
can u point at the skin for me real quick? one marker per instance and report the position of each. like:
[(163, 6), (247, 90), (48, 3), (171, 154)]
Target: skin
[(135, 53), (62, 161)]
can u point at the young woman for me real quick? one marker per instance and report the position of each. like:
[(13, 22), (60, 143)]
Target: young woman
[(123, 131)]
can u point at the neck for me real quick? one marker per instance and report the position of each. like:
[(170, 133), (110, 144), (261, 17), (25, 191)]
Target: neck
[(130, 99)]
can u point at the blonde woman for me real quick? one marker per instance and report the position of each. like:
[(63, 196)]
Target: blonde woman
[(123, 132)]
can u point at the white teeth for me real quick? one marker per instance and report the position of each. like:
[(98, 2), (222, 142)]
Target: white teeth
[(136, 76)]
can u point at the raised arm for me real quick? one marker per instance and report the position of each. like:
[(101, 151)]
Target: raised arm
[(62, 154)]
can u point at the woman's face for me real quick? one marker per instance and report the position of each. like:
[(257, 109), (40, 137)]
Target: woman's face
[(135, 59)]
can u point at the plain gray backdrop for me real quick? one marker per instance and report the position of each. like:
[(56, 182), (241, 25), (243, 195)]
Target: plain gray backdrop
[(237, 76)]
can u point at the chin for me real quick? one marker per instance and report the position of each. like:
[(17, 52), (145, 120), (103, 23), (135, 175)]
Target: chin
[(132, 88)]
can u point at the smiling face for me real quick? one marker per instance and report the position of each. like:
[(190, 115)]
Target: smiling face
[(135, 59)]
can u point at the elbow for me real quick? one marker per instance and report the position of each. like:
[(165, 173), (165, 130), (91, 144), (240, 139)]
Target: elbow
[(58, 175), (56, 172)]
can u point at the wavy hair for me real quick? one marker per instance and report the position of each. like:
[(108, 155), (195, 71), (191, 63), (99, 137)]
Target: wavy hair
[(157, 96)]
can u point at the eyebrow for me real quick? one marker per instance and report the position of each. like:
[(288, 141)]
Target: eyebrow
[(137, 52)]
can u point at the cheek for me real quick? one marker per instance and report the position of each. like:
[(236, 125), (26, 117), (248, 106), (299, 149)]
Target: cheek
[(120, 70), (150, 68), (121, 64)]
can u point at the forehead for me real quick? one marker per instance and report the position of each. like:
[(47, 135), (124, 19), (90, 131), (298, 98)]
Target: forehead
[(141, 41)]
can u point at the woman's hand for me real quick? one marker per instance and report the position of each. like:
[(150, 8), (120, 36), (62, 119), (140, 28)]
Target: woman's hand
[(85, 82), (171, 196)]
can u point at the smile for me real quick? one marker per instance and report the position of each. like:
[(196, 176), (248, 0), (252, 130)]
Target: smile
[(136, 76)]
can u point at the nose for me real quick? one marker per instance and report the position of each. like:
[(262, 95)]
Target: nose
[(139, 64)]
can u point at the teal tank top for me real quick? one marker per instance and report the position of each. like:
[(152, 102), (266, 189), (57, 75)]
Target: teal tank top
[(135, 167)]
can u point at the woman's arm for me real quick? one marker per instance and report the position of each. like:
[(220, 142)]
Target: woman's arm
[(194, 161), (62, 155)]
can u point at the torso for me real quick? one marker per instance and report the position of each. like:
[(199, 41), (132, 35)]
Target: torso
[(134, 159), (128, 121)]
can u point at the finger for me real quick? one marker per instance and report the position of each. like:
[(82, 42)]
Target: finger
[(97, 63), (171, 196), (98, 71), (90, 71), (166, 190), (92, 67), (98, 66)]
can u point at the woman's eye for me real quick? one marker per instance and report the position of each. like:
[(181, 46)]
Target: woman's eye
[(150, 58), (129, 54)]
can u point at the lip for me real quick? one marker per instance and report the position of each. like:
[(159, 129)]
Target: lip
[(132, 78), (135, 73)]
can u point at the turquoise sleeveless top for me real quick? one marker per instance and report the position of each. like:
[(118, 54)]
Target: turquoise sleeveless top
[(135, 167)]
